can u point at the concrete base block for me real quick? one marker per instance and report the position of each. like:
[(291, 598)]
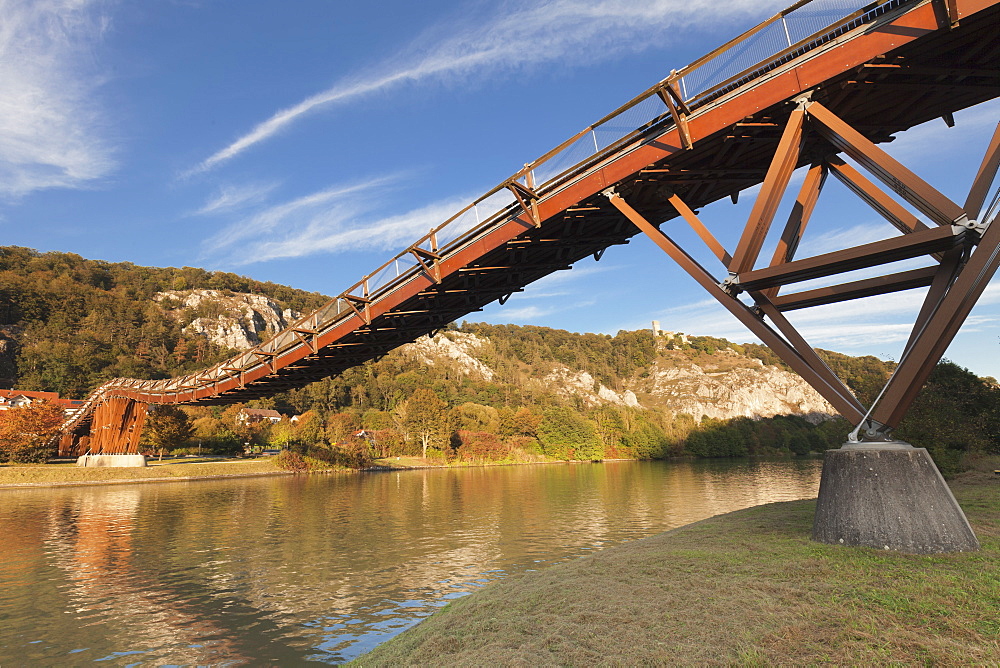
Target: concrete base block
[(892, 499), (111, 460)]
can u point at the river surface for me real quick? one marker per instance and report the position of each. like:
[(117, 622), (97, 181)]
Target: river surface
[(319, 568)]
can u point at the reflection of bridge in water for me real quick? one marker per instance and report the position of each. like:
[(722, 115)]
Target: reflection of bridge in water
[(822, 79)]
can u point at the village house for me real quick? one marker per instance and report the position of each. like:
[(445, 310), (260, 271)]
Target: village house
[(255, 415), (18, 398)]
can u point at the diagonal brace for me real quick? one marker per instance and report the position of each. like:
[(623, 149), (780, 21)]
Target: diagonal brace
[(767, 202), (844, 405), (795, 227), (930, 344), (887, 169)]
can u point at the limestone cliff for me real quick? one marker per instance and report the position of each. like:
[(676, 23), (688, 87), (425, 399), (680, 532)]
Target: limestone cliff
[(726, 385), (722, 385), (455, 349), (228, 319)]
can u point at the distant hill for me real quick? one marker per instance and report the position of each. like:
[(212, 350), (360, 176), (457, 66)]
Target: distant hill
[(67, 324)]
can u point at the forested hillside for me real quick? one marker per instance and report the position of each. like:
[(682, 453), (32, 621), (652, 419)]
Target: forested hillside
[(474, 392), (68, 324)]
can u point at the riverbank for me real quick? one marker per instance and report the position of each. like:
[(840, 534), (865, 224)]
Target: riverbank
[(68, 474), (746, 588)]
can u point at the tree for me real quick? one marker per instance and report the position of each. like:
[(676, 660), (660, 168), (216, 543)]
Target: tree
[(565, 434), (476, 417), (168, 427), (427, 419), (25, 432), (521, 422)]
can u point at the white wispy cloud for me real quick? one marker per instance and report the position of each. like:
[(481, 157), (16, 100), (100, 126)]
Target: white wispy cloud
[(234, 198), (929, 141), (338, 219), (845, 237), (534, 313), (526, 313), (551, 282), (517, 35), (52, 131)]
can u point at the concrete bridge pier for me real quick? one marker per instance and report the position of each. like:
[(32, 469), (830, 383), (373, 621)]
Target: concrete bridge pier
[(890, 496)]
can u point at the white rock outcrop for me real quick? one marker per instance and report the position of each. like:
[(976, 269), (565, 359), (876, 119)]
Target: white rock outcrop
[(243, 320), (749, 390), (722, 385), (581, 384), (455, 348)]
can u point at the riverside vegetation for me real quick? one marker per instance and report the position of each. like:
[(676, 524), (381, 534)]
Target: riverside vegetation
[(478, 393)]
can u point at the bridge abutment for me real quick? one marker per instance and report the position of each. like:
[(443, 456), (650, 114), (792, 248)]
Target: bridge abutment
[(893, 498), (117, 461)]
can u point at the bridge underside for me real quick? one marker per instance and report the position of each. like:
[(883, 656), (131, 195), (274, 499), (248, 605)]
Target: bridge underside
[(914, 66)]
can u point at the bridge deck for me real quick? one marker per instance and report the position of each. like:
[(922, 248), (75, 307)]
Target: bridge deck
[(897, 65)]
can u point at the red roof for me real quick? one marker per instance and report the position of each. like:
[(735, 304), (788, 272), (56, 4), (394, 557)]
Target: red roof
[(31, 394)]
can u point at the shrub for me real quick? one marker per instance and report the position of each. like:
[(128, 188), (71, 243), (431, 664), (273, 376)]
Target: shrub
[(480, 446), (291, 461)]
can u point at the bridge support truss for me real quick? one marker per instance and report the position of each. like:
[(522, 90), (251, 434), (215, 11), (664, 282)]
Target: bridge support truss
[(115, 429), (963, 254)]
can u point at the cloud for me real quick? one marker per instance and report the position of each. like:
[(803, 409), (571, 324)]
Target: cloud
[(534, 313), (969, 137), (338, 219), (516, 36), (234, 198), (526, 313), (845, 237), (51, 128), (559, 278)]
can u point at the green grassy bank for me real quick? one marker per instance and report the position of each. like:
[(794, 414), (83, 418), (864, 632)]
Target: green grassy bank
[(744, 588), (69, 473)]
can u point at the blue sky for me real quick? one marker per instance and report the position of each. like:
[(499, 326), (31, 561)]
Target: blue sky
[(305, 142)]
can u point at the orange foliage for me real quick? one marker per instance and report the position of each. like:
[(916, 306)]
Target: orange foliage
[(25, 431)]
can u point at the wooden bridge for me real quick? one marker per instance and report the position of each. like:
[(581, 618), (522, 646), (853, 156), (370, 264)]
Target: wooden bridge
[(838, 77)]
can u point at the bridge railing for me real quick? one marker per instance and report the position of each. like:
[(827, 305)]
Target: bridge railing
[(788, 34)]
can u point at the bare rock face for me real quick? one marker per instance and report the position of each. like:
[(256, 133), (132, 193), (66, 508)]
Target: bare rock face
[(581, 384), (231, 320), (728, 388), (452, 348), (722, 385)]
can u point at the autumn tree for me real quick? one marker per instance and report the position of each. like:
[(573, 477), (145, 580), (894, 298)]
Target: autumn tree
[(341, 427), (427, 419), (476, 417), (308, 430), (168, 427), (25, 432)]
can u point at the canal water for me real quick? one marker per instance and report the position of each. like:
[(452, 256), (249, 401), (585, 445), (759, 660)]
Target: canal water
[(318, 568)]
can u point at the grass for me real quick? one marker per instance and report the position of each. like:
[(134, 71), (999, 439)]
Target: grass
[(69, 473), (746, 588)]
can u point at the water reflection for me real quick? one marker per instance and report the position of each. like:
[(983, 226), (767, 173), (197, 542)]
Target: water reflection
[(319, 568)]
